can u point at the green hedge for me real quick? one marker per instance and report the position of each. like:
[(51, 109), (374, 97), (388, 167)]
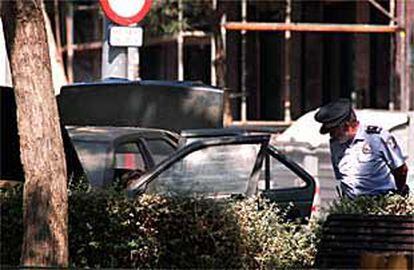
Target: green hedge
[(11, 223), (390, 204), (108, 230)]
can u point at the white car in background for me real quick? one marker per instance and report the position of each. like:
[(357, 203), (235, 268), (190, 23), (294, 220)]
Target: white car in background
[(305, 145)]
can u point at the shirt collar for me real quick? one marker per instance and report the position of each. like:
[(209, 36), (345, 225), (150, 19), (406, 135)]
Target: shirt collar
[(359, 136)]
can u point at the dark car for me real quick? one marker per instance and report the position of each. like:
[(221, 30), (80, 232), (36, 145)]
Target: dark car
[(211, 162), (227, 166), (121, 106)]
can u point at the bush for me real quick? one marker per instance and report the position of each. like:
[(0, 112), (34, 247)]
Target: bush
[(159, 232), (390, 204), (106, 229), (271, 241), (11, 223)]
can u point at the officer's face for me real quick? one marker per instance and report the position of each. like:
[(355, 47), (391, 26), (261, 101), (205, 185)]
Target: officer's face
[(340, 133)]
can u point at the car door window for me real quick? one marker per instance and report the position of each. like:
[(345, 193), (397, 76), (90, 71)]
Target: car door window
[(93, 157), (212, 171), (279, 176), (160, 149), (128, 157), (129, 163)]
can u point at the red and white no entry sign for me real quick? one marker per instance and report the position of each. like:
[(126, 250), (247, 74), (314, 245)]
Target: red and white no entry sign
[(125, 12)]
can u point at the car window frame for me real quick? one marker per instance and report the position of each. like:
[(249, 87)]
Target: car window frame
[(290, 164), (167, 139), (109, 168), (140, 185)]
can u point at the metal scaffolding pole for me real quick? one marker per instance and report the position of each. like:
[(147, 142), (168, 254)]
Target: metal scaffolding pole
[(389, 14), (287, 48), (391, 104), (243, 63), (392, 13), (213, 56), (312, 27), (57, 26), (180, 43), (69, 42), (405, 96)]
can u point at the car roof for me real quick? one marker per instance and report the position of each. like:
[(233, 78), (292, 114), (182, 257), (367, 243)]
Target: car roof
[(228, 131), (110, 133), (119, 81), (213, 132), (166, 105)]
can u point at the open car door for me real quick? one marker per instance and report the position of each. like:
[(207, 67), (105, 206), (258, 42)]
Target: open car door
[(284, 182), (219, 168)]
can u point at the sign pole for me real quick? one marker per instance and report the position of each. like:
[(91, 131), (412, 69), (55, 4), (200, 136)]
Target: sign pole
[(133, 63)]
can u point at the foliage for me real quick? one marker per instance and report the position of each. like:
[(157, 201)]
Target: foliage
[(11, 219), (107, 229), (154, 231), (163, 17), (390, 204), (271, 241)]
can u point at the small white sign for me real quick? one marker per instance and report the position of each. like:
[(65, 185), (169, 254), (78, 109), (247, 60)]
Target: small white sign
[(124, 36)]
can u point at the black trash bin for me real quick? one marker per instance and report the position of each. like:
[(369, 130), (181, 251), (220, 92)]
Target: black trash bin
[(346, 238)]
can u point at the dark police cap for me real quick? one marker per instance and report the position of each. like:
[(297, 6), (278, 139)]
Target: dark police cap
[(333, 114)]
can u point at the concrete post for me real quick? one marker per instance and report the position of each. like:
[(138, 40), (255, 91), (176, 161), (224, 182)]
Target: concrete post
[(310, 163), (114, 59), (133, 63)]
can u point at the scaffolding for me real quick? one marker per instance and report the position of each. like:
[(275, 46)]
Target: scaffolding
[(396, 27)]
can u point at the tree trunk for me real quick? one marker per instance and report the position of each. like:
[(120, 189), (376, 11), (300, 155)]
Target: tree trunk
[(45, 241), (221, 63)]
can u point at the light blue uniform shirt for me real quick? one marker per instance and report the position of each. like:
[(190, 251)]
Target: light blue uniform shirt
[(363, 165)]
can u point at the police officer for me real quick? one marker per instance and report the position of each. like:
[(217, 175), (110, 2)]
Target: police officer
[(367, 160)]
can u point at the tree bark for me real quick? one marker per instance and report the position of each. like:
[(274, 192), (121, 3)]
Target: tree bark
[(221, 64), (45, 240)]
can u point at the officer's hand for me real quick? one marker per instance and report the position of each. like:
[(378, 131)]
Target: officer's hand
[(404, 191)]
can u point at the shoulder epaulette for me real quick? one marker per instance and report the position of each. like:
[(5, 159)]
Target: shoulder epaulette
[(373, 130)]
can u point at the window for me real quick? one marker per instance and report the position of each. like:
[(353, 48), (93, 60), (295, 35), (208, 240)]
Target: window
[(93, 157), (280, 176), (212, 171), (128, 157), (160, 149), (129, 163)]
